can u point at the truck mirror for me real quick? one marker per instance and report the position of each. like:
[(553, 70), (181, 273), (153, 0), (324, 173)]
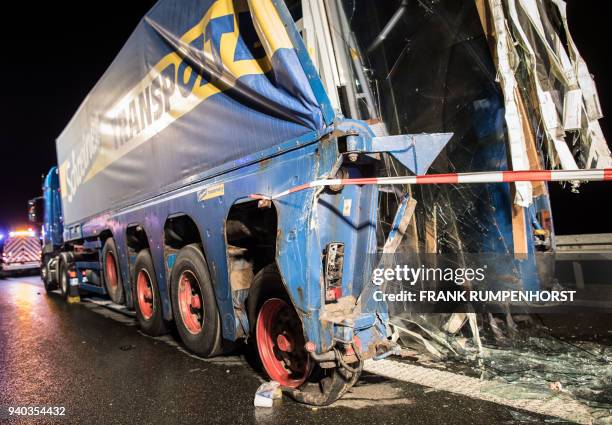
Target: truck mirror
[(36, 210)]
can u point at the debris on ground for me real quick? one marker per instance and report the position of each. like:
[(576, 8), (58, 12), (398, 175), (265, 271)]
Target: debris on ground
[(533, 358), (267, 393)]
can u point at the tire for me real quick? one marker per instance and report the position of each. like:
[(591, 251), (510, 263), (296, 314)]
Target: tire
[(64, 278), (147, 300), (329, 386), (111, 272), (266, 284), (318, 387), (47, 277), (194, 304), (269, 310)]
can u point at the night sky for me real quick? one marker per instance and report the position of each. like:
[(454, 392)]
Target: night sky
[(53, 54)]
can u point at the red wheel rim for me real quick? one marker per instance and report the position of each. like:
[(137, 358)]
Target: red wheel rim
[(111, 270), (190, 302), (145, 294), (280, 342)]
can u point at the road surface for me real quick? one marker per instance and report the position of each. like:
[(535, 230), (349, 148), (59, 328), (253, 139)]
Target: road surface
[(97, 365)]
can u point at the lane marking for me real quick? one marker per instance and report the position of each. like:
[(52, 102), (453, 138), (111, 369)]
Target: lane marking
[(111, 305), (511, 395), (122, 314)]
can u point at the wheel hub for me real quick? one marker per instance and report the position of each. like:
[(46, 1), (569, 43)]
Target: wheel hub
[(280, 342), (284, 343), (111, 270), (190, 302), (144, 290)]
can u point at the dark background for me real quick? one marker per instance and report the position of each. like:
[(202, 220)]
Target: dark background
[(53, 54)]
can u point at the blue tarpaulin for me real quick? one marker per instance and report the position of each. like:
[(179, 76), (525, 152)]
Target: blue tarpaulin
[(199, 86)]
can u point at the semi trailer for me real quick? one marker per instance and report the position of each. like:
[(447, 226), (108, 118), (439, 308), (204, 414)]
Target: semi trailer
[(167, 191), (207, 104)]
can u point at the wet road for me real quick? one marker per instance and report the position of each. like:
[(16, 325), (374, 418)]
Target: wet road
[(101, 369)]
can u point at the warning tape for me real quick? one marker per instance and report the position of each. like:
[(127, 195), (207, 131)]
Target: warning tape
[(458, 178)]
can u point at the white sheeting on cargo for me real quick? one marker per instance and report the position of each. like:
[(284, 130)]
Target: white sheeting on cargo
[(505, 58), (554, 81)]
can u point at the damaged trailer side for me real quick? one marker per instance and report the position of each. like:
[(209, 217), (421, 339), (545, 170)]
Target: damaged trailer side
[(505, 78)]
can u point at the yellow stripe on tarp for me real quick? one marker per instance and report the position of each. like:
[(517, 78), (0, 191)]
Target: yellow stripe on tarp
[(234, 69), (269, 26)]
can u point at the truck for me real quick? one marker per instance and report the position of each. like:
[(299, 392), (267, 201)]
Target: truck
[(21, 250), (152, 201), (202, 180)]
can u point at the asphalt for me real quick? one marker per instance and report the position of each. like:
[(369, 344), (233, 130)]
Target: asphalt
[(102, 370)]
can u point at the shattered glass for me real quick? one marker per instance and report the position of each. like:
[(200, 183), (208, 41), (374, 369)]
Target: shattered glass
[(426, 66), (544, 363), (526, 354), (454, 90)]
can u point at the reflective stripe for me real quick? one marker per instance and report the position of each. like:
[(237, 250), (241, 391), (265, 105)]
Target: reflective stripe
[(21, 250)]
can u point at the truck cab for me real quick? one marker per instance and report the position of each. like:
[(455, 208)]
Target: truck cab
[(46, 213)]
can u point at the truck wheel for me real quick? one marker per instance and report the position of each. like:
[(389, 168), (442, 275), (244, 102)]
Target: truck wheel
[(280, 343), (47, 276), (49, 286), (327, 386), (112, 275), (146, 296), (278, 336), (193, 303), (276, 330), (64, 279)]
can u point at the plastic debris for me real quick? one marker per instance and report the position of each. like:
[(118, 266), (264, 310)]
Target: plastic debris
[(267, 393)]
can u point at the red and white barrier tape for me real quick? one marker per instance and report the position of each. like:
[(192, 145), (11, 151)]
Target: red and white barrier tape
[(459, 178)]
